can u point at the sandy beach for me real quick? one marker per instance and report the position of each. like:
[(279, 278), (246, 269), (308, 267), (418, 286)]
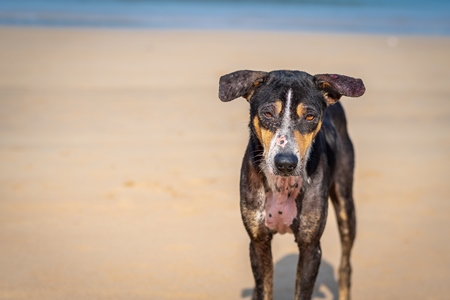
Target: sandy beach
[(119, 166)]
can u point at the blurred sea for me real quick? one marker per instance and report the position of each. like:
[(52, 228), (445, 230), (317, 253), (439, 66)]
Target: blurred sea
[(411, 17)]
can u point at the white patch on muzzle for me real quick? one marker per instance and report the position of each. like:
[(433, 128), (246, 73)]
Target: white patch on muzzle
[(283, 139)]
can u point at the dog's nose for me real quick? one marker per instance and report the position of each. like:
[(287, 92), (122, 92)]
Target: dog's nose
[(285, 163)]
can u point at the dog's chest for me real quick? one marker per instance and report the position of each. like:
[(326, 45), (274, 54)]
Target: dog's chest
[(280, 206)]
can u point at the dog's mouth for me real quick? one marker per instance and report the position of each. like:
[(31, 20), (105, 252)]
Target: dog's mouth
[(281, 208), (286, 184)]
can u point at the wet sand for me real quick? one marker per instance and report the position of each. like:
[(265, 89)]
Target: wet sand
[(119, 166)]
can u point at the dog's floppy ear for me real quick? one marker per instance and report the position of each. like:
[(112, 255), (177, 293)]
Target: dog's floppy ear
[(334, 86), (239, 84)]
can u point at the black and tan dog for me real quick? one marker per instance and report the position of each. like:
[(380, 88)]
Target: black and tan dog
[(299, 154)]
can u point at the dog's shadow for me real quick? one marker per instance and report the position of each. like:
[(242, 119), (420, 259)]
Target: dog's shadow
[(284, 280)]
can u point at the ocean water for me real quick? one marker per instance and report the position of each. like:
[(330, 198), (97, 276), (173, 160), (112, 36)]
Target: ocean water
[(412, 17)]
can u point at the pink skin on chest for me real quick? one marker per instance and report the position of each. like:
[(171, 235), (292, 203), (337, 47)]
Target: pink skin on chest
[(281, 208)]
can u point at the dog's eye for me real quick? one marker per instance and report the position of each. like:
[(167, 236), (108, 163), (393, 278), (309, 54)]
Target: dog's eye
[(268, 115), (309, 117)]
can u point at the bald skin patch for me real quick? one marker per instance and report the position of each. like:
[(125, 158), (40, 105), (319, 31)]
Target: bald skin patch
[(281, 141)]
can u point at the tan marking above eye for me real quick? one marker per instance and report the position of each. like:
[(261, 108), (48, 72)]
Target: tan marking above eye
[(278, 107), (301, 110), (273, 110)]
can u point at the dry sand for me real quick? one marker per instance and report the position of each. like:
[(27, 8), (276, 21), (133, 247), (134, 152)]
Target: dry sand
[(119, 166)]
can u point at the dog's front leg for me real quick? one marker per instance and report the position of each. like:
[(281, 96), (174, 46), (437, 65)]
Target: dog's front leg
[(260, 254), (312, 218), (262, 267), (307, 270)]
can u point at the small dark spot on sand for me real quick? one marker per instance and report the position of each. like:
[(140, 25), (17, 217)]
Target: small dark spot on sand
[(280, 212), (270, 215), (289, 195)]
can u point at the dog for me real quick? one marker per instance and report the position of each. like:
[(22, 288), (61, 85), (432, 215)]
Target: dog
[(298, 155)]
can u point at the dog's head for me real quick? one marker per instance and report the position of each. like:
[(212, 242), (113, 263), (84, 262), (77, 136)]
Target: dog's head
[(286, 111)]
